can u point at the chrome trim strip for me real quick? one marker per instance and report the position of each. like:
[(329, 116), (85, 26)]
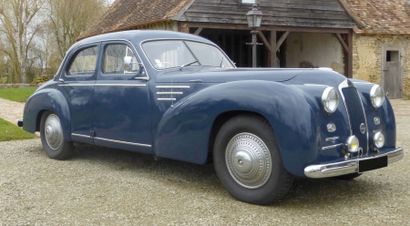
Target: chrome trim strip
[(342, 85), (325, 148), (364, 83), (114, 84), (172, 87), (170, 93), (331, 139), (122, 142), (75, 84), (167, 99), (108, 84), (318, 85), (80, 135), (349, 166)]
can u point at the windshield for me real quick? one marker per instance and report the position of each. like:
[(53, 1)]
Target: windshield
[(166, 54)]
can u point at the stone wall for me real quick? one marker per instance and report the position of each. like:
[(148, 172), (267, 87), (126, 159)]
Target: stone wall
[(369, 53)]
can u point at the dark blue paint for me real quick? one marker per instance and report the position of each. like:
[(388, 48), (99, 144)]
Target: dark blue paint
[(290, 99)]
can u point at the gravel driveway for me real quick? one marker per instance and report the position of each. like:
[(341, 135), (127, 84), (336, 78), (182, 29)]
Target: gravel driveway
[(103, 186)]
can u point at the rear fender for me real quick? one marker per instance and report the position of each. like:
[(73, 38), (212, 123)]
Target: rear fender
[(48, 99)]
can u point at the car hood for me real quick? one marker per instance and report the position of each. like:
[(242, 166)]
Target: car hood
[(287, 76)]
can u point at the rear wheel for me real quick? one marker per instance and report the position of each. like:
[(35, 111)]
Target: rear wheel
[(248, 163), (52, 137)]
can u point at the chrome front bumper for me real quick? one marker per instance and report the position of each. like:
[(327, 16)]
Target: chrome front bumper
[(349, 166)]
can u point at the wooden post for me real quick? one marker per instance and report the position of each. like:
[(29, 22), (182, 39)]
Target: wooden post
[(347, 44), (272, 42), (183, 27), (350, 55)]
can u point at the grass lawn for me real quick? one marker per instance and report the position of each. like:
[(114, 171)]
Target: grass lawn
[(9, 131), (17, 94)]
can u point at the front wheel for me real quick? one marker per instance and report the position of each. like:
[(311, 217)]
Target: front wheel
[(52, 138), (248, 163)]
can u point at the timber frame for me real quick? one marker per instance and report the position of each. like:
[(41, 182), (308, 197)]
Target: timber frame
[(273, 42)]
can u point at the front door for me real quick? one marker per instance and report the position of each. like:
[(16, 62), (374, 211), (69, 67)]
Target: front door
[(77, 84), (392, 74), (122, 109)]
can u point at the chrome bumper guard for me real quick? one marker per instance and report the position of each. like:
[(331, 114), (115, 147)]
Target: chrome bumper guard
[(348, 166)]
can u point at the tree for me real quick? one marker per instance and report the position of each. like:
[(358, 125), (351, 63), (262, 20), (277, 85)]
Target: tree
[(70, 18), (19, 27)]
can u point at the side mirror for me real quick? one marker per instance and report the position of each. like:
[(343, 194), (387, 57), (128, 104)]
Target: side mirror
[(141, 72), (131, 65)]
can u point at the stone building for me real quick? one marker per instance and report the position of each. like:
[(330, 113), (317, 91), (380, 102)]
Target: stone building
[(381, 43), (364, 39)]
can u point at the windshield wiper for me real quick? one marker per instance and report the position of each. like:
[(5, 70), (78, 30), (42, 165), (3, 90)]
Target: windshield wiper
[(188, 64)]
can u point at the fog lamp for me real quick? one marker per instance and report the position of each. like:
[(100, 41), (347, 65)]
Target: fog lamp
[(378, 139), (353, 144)]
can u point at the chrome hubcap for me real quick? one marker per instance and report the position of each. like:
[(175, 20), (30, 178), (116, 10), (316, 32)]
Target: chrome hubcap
[(248, 160), (53, 132)]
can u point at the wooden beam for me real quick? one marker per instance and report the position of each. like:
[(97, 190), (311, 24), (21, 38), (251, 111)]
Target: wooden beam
[(265, 41), (198, 30), (282, 40), (272, 40), (268, 28), (350, 55), (342, 42)]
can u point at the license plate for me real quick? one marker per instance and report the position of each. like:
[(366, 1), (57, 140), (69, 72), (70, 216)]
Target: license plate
[(372, 164)]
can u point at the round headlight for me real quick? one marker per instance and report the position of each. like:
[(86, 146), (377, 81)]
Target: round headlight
[(378, 139), (330, 99), (353, 144), (377, 96)]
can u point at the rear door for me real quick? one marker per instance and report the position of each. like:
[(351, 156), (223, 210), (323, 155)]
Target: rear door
[(77, 83), (122, 111)]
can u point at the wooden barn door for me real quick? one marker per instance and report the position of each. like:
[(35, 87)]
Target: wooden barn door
[(392, 74)]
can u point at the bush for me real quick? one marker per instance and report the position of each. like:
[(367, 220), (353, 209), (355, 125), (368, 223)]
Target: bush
[(40, 79)]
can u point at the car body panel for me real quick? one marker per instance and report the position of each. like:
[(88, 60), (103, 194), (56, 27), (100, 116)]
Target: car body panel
[(172, 113)]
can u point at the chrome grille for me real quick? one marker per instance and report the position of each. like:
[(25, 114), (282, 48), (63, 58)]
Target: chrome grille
[(357, 117)]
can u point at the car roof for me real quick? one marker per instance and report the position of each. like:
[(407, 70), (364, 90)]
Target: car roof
[(138, 36)]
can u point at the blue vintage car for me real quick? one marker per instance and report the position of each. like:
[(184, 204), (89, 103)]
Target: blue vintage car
[(178, 96)]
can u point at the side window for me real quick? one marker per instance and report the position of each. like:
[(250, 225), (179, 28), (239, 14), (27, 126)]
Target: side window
[(119, 59), (85, 62)]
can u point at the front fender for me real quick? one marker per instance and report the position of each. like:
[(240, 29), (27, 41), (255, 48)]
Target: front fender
[(185, 129), (385, 113), (47, 99)]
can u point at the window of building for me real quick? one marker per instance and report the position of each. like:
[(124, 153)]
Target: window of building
[(392, 56)]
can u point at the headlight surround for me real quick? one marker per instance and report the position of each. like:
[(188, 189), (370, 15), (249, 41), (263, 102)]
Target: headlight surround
[(330, 100), (379, 139), (377, 96)]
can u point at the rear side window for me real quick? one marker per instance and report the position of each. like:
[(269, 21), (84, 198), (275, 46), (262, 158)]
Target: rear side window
[(85, 62), (119, 59)]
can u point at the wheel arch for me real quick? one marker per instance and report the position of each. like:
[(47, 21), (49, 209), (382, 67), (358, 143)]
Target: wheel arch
[(222, 118), (48, 99)]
